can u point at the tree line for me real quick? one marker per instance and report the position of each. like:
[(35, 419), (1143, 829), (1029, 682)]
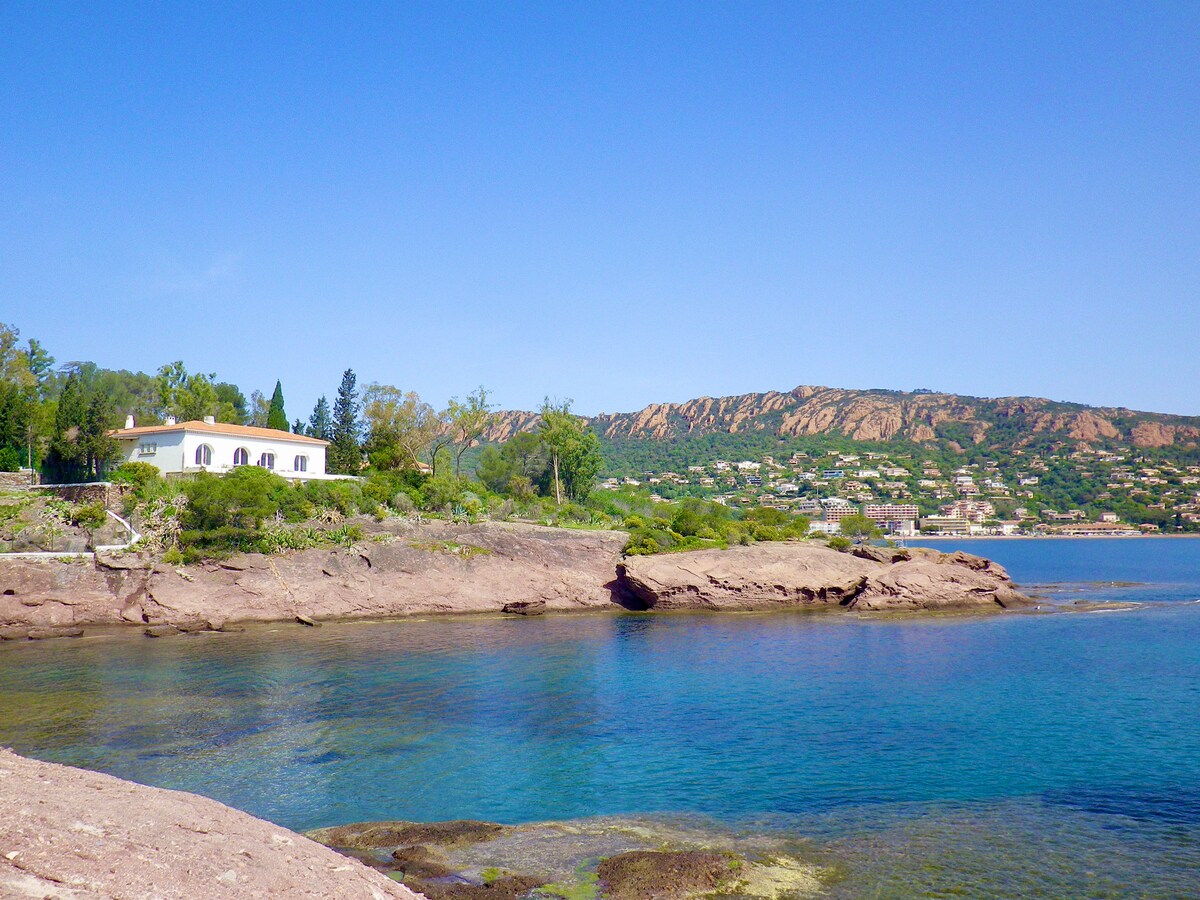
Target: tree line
[(57, 419)]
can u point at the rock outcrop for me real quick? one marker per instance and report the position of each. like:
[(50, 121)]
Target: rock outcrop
[(70, 833), (780, 575), (491, 568), (411, 570)]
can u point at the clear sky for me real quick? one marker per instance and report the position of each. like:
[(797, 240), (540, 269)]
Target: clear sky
[(617, 203)]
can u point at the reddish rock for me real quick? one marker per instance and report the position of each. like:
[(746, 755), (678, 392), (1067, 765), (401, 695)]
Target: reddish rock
[(780, 575), (72, 833)]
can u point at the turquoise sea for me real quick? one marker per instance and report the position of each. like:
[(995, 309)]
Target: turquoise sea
[(1018, 755)]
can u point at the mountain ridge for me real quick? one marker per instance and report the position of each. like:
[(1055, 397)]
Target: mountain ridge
[(883, 415)]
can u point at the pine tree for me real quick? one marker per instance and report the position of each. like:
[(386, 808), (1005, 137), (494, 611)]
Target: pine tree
[(276, 417), (345, 455), (320, 423), (298, 427)]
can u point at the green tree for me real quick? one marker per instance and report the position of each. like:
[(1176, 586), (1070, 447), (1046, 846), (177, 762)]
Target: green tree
[(514, 466), (276, 417), (574, 450), (859, 529), (67, 459), (320, 423), (186, 396), (259, 409), (41, 365), (100, 450), (298, 427), (468, 421), (231, 403), (401, 428), (345, 455)]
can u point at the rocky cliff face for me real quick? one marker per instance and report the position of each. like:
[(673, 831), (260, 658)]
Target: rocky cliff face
[(883, 416)]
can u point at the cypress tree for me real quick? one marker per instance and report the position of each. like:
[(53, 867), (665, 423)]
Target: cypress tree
[(276, 417), (345, 455)]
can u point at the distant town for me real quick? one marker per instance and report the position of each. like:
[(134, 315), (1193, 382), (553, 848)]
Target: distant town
[(907, 496)]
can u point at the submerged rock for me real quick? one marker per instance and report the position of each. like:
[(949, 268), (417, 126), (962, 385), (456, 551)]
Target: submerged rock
[(62, 631), (617, 857), (525, 608), (376, 835), (665, 875), (420, 862)]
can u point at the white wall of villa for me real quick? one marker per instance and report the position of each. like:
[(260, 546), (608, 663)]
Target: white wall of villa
[(188, 448)]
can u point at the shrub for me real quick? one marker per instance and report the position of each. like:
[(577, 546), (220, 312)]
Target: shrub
[(344, 496), (11, 459), (443, 491), (225, 513), (837, 542), (88, 515), (645, 541)]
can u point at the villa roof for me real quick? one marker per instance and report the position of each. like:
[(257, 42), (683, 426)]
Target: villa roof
[(249, 431)]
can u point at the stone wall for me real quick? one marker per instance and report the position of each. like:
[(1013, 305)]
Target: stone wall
[(108, 494), (15, 481)]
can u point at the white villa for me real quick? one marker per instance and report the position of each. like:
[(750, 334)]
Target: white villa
[(186, 448)]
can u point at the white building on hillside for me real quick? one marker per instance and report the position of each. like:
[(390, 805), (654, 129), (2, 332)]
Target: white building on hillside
[(186, 448)]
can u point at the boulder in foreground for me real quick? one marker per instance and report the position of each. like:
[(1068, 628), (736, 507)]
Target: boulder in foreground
[(71, 833)]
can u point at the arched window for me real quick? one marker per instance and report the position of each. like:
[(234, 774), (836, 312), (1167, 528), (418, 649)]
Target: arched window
[(267, 460), (241, 457), (204, 455), (301, 464)]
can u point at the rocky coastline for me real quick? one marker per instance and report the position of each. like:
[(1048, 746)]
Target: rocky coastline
[(405, 569)]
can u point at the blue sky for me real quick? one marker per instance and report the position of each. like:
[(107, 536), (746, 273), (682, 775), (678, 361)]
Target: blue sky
[(617, 203)]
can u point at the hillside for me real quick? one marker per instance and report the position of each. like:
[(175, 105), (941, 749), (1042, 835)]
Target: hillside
[(1001, 423)]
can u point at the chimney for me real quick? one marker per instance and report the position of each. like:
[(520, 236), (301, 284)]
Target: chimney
[(210, 420), (129, 421), (170, 420)]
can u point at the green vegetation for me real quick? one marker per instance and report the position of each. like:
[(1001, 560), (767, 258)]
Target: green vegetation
[(859, 529), (276, 416), (687, 491), (694, 524)]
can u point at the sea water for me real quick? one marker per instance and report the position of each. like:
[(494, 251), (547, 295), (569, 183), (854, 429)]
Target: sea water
[(1052, 755)]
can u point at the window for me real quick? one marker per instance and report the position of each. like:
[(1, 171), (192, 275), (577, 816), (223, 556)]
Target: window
[(204, 455), (147, 449), (301, 464), (241, 457), (267, 460)]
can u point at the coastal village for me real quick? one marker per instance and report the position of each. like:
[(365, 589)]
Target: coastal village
[(908, 496)]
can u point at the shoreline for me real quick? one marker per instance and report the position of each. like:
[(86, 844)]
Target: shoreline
[(1049, 537), (440, 570)]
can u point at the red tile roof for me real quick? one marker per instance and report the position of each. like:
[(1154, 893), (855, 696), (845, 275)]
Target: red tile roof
[(249, 431)]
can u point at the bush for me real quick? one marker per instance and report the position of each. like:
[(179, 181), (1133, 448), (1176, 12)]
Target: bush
[(11, 459), (226, 513), (135, 473), (88, 515), (443, 491), (344, 496), (646, 541), (837, 542)]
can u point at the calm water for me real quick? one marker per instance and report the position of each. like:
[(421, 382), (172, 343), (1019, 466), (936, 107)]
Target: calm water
[(1018, 755)]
